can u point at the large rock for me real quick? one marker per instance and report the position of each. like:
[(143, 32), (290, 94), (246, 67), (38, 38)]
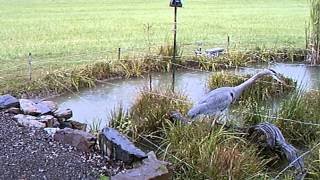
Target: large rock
[(31, 108), (8, 101), (53, 106), (151, 168), (82, 140), (63, 114), (29, 121), (118, 147)]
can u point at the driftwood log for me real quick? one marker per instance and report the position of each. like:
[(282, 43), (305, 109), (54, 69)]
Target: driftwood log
[(266, 135)]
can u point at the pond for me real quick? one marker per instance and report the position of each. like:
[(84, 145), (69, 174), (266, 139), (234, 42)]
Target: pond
[(96, 104)]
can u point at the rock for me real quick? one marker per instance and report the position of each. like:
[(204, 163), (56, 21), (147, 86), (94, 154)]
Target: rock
[(63, 113), (82, 140), (8, 101), (29, 121), (78, 125), (56, 123), (31, 108), (73, 125), (151, 168), (65, 124), (13, 110), (47, 119), (50, 104), (51, 131), (118, 147)]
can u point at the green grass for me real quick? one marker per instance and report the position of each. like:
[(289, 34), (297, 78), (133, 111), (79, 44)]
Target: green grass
[(66, 34)]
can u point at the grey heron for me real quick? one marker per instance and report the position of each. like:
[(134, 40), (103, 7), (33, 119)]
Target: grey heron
[(218, 100)]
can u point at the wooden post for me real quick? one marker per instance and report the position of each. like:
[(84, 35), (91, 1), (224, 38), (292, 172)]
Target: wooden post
[(119, 54), (150, 81), (30, 66), (228, 43), (174, 48)]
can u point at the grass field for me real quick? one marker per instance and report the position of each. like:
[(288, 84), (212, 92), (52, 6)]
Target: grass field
[(57, 30)]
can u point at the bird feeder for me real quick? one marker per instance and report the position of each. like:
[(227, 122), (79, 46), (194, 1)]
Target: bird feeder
[(176, 3)]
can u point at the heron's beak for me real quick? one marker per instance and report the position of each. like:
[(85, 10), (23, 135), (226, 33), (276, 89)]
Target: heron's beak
[(279, 79)]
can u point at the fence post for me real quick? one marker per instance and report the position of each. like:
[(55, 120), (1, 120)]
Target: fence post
[(150, 81), (30, 66), (119, 54), (228, 43)]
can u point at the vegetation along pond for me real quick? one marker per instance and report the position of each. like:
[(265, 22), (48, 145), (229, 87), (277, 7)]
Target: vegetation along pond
[(95, 105)]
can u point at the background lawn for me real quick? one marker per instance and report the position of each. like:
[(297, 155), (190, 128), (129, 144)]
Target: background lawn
[(57, 31)]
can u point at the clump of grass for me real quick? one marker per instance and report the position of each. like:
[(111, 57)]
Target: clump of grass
[(255, 109), (312, 162), (121, 121), (64, 80), (132, 66), (264, 89), (304, 108), (235, 59), (95, 126), (201, 152), (148, 113)]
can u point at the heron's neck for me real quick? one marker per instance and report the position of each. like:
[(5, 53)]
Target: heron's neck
[(240, 88)]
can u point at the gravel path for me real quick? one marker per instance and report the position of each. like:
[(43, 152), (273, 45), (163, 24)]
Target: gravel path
[(32, 154)]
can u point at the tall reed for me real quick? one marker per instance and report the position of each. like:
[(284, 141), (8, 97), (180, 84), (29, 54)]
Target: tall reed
[(313, 39)]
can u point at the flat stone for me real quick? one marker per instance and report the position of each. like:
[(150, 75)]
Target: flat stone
[(51, 131), (8, 101), (53, 106), (32, 108), (78, 125), (29, 121), (118, 147), (63, 114), (82, 140), (151, 168), (47, 119)]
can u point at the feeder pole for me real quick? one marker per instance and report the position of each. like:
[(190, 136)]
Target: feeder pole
[(174, 47)]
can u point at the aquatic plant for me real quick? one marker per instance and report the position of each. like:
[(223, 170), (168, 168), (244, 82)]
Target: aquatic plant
[(199, 151), (303, 108), (148, 113), (312, 161)]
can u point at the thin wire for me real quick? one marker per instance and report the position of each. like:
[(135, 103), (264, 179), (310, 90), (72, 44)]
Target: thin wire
[(279, 118), (286, 168)]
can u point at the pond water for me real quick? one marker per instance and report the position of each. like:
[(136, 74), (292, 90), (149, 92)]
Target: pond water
[(96, 104)]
